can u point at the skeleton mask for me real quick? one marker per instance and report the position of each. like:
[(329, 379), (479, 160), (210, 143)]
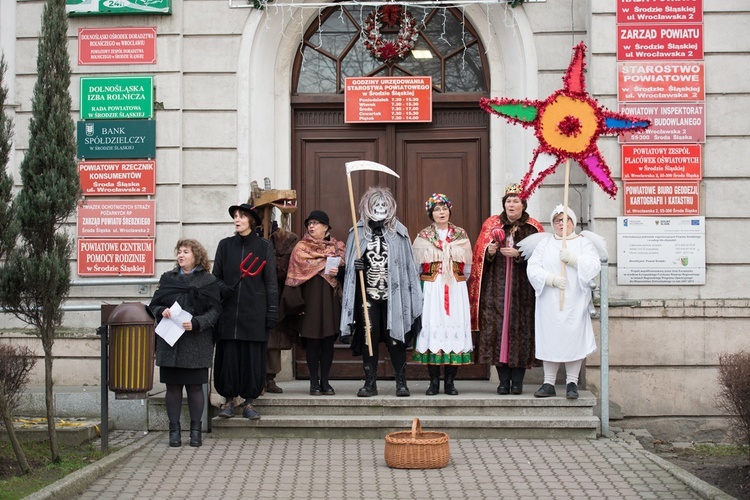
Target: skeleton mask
[(379, 209)]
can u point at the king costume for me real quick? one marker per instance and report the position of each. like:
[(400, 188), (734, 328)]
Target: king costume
[(502, 299)]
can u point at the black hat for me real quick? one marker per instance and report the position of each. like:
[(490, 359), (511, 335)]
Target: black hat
[(247, 208), (319, 216)]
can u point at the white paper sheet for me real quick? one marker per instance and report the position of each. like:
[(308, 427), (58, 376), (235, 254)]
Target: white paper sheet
[(170, 329), (332, 263)]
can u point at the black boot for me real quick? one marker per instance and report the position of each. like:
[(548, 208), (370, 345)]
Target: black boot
[(516, 377), (503, 373), (315, 387), (174, 435), (450, 377), (195, 434), (326, 389), (371, 386), (401, 390), (434, 387)]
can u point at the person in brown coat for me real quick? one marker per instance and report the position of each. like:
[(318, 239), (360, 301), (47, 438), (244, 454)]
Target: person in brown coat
[(311, 300), (501, 297)]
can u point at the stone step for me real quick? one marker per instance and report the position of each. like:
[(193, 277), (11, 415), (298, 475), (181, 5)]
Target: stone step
[(477, 412), (371, 427)]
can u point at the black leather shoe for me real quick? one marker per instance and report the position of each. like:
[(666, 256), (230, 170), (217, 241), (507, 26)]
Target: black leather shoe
[(571, 391), (545, 391), (516, 388), (504, 387)]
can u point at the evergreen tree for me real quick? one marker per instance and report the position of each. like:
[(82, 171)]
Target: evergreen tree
[(8, 235), (8, 222), (35, 281)]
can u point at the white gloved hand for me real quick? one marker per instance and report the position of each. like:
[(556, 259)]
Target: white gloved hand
[(556, 281), (568, 257)]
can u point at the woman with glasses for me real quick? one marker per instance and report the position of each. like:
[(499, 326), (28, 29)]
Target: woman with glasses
[(311, 300), (564, 333)]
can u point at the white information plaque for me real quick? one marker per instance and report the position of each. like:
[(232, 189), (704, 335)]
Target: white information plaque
[(661, 250)]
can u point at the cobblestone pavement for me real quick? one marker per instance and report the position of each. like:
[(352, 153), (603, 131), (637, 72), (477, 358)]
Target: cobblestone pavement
[(348, 469)]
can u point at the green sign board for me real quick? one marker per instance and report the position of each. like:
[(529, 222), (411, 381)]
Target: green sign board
[(116, 139), (117, 98), (117, 7)]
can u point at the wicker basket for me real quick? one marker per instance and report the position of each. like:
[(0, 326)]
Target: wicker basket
[(417, 449)]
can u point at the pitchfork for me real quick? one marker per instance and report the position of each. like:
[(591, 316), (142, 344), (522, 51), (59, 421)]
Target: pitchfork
[(248, 271)]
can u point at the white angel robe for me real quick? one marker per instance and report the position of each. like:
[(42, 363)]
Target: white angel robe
[(567, 334)]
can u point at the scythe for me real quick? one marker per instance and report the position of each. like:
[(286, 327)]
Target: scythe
[(353, 166)]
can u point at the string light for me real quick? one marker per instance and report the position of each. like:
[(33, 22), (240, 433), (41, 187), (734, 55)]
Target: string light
[(263, 4)]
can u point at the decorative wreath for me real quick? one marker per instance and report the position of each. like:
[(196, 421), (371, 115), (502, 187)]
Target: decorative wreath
[(385, 50)]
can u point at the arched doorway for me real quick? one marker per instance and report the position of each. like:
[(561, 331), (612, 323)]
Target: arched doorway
[(448, 155)]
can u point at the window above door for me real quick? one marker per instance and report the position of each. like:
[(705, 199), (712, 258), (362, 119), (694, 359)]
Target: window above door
[(447, 48)]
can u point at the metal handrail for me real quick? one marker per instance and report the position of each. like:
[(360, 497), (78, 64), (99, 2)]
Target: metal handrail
[(604, 351)]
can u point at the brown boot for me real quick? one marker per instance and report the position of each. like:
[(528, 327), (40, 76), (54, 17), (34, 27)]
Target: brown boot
[(271, 385)]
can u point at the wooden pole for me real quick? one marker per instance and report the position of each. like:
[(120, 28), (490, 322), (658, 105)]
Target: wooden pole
[(368, 339), (565, 225)]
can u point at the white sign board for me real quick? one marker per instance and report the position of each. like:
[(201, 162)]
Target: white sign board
[(661, 250)]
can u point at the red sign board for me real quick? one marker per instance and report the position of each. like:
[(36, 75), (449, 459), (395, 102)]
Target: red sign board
[(125, 219), (651, 42), (661, 81), (388, 99), (657, 162), (661, 198), (669, 122), (115, 257), (127, 45), (120, 177), (660, 11)]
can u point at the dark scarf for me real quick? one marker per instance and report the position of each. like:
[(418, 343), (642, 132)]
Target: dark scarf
[(199, 299)]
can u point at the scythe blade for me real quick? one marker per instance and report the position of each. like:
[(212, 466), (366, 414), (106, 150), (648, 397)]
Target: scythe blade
[(351, 166)]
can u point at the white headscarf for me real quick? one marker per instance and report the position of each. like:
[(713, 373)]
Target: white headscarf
[(560, 209)]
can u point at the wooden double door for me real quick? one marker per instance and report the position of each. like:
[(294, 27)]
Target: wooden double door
[(449, 155)]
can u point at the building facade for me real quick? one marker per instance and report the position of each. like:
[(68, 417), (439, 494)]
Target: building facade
[(242, 94)]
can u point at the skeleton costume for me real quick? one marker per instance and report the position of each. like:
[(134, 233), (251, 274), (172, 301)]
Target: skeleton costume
[(394, 297)]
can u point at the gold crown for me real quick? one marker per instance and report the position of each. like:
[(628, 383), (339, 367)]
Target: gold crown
[(513, 189)]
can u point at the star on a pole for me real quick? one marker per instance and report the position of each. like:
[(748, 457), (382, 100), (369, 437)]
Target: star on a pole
[(567, 124)]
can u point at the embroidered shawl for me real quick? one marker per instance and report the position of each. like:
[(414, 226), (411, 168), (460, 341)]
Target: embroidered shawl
[(309, 258), (429, 248)]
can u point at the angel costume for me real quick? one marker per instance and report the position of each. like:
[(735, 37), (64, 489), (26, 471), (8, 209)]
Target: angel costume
[(564, 334), (567, 334)]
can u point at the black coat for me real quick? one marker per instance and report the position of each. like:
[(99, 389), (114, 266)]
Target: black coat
[(198, 294), (250, 304)]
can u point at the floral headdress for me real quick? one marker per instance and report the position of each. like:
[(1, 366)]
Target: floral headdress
[(436, 199)]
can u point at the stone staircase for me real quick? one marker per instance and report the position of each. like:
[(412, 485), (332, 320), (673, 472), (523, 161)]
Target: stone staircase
[(476, 413)]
